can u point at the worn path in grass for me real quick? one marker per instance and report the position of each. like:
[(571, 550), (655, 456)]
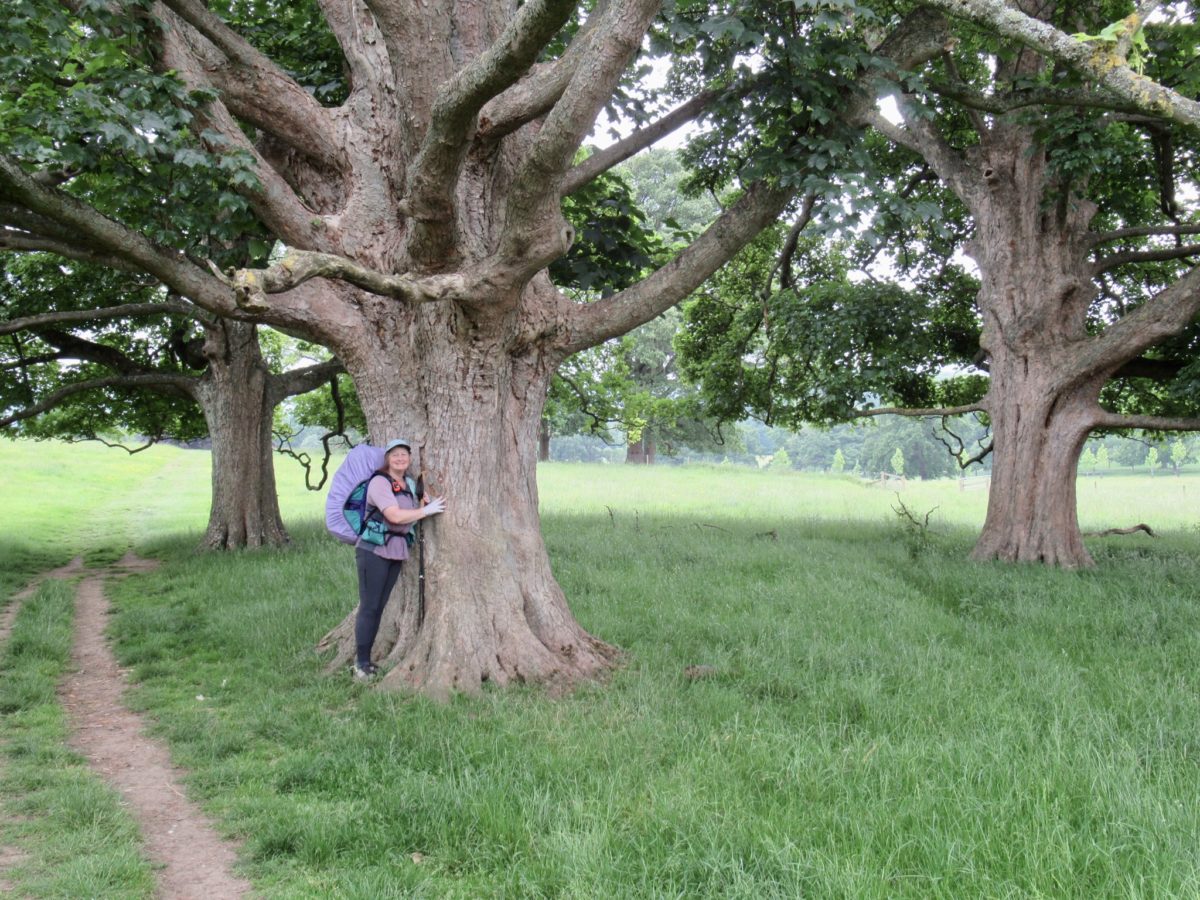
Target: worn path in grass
[(195, 862), (14, 856)]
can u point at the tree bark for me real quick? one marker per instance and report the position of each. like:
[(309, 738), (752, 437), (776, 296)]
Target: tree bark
[(641, 451), (494, 614), (1038, 434), (238, 407), (544, 441), (1035, 291)]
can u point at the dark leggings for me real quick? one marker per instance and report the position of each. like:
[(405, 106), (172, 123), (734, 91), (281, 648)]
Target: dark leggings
[(376, 578)]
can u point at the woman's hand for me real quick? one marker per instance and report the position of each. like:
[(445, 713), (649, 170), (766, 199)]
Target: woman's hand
[(434, 506)]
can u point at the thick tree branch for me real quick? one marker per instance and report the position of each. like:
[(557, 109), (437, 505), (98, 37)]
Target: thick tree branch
[(793, 240), (940, 412), (1097, 60), (260, 92), (27, 361), (67, 317), (535, 234), (535, 94), (434, 172), (1147, 423), (1155, 369), (920, 37), (358, 36), (919, 135), (603, 160), (25, 243), (301, 381), (595, 322), (272, 198), (1160, 317), (102, 354), (1106, 237), (252, 285), (1023, 99), (181, 384), (168, 266), (1135, 256)]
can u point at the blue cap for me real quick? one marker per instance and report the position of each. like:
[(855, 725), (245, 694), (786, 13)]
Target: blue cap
[(392, 445)]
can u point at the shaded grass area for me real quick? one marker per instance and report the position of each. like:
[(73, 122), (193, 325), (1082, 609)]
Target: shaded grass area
[(75, 839), (878, 725)]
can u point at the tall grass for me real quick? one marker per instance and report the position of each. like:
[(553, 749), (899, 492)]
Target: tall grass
[(875, 723)]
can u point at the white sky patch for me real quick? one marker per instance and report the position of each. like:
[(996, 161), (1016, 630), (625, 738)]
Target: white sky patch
[(602, 137)]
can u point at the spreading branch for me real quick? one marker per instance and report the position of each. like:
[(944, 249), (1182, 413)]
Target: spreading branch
[(126, 310), (170, 267), (595, 322), (536, 93), (1099, 61), (362, 45), (27, 243), (535, 235), (1160, 317), (793, 239), (301, 381), (259, 91), (938, 412), (603, 160), (435, 170), (1000, 104), (1105, 237), (920, 135), (252, 285), (920, 37), (111, 445), (273, 199), (181, 384), (1147, 423), (1162, 254)]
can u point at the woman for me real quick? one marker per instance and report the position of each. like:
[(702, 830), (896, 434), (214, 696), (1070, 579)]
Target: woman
[(389, 496)]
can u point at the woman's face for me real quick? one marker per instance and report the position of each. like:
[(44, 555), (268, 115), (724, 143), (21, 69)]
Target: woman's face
[(398, 459)]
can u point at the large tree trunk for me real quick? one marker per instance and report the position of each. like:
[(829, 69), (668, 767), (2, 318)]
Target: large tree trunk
[(642, 451), (1038, 434), (1035, 291), (234, 397), (493, 612), (544, 441)]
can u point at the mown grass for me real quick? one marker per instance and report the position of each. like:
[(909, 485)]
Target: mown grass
[(882, 722)]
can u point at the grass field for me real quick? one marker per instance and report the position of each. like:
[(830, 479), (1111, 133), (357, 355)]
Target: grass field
[(887, 720)]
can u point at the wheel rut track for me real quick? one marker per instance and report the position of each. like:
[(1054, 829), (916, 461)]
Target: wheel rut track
[(192, 861)]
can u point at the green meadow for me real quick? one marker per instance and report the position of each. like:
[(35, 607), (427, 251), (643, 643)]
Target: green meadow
[(882, 719)]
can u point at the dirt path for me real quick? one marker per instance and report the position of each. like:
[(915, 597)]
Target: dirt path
[(9, 615), (195, 862)]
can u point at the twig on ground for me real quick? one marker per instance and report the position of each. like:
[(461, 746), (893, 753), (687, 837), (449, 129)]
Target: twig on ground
[(1132, 529)]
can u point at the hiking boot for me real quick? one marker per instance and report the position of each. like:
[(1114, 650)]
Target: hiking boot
[(364, 673)]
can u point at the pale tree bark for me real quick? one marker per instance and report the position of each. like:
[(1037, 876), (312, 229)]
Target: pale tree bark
[(421, 215)]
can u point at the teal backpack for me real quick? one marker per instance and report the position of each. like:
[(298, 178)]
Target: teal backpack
[(373, 527)]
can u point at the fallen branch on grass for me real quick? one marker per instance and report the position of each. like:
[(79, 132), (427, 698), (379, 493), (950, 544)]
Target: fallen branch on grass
[(1130, 530)]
